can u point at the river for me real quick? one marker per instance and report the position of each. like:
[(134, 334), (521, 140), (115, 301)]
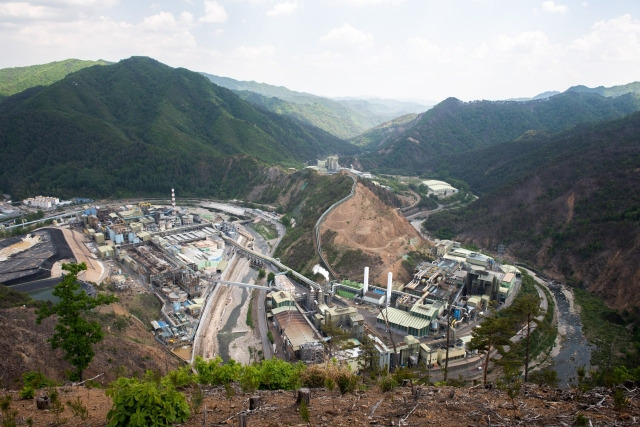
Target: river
[(574, 350)]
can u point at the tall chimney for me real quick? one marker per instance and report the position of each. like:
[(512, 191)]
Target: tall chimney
[(389, 283), (366, 281), (173, 201)]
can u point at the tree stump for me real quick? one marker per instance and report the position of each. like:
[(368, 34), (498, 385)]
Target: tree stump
[(304, 394), (254, 402), (42, 402), (242, 420)]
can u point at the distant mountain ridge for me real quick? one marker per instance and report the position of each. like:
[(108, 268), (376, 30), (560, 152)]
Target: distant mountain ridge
[(15, 80), (453, 127), (612, 91), (344, 118), (140, 127)]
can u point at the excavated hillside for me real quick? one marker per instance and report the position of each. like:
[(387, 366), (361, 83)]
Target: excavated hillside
[(363, 231)]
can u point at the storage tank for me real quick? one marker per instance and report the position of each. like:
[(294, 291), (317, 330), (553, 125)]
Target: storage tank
[(311, 296), (434, 325)]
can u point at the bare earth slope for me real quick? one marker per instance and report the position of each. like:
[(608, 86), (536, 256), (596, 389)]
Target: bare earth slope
[(444, 407), (24, 348), (363, 231)]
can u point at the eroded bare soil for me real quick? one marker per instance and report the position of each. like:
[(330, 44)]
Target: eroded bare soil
[(384, 236)]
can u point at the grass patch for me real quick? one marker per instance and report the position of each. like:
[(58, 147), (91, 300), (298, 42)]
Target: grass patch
[(11, 298), (145, 307), (543, 337), (345, 294), (352, 284), (267, 230), (250, 311), (603, 328)]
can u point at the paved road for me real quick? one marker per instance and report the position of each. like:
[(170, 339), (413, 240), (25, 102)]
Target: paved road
[(259, 312)]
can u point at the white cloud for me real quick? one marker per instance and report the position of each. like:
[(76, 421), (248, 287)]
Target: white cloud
[(422, 47), (347, 35), (617, 39), (159, 22), (363, 3), (527, 43), (285, 8), (187, 18), (214, 12), (58, 10), (24, 10), (254, 53), (551, 7)]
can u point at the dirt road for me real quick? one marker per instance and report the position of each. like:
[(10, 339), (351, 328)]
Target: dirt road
[(95, 269)]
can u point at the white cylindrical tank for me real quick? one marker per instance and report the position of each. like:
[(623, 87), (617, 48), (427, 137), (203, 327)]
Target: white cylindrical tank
[(365, 289), (389, 284), (434, 324)]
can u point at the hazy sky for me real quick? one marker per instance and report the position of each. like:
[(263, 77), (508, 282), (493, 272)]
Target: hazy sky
[(419, 49)]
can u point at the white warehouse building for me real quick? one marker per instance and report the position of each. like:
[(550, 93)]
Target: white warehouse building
[(440, 188)]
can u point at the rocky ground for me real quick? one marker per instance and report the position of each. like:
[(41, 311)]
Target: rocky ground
[(441, 406)]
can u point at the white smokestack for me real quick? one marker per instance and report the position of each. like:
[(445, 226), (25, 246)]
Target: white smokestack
[(389, 283), (366, 281)]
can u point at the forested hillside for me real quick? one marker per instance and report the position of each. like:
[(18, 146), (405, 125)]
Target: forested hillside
[(141, 127), (15, 80), (569, 204), (454, 127), (305, 197)]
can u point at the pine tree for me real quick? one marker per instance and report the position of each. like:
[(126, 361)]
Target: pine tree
[(73, 332), (526, 308), (492, 334)]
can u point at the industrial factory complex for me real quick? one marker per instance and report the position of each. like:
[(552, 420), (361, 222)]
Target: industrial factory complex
[(408, 319), (182, 257)]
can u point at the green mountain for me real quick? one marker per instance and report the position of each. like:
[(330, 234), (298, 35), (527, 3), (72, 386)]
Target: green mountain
[(344, 118), (15, 80), (140, 127), (608, 91), (454, 127), (569, 203)]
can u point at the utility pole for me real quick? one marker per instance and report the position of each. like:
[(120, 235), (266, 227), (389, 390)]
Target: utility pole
[(449, 310), (446, 360)]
